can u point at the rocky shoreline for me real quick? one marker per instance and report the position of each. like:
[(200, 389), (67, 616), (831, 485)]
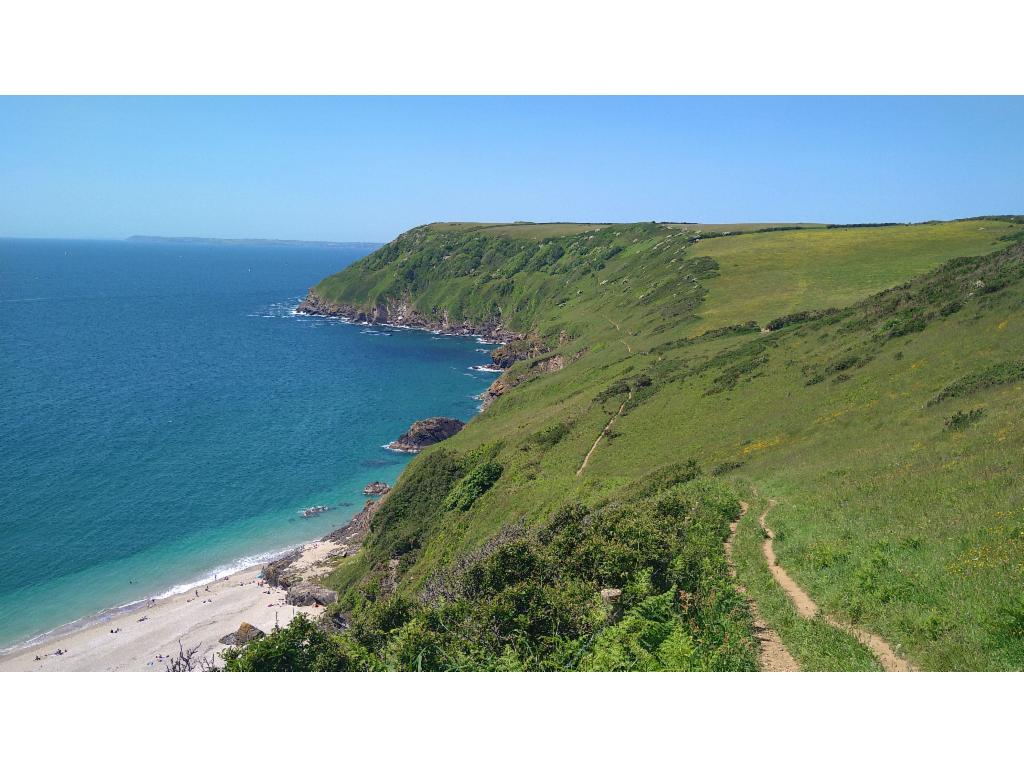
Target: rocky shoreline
[(425, 433), (290, 570), (401, 314)]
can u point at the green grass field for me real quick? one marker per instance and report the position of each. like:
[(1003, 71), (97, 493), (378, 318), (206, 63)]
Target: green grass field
[(898, 511)]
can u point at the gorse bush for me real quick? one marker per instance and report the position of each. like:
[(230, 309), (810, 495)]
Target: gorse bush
[(993, 376), (532, 600), (551, 436), (302, 646), (962, 420)]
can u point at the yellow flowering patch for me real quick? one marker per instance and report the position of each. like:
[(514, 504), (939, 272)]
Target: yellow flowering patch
[(760, 445)]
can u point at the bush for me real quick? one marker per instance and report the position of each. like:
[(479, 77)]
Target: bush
[(302, 646), (549, 437), (993, 376), (471, 487), (649, 638), (725, 467), (531, 600), (800, 317), (961, 420)]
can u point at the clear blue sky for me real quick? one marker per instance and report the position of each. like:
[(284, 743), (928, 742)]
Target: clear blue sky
[(369, 168)]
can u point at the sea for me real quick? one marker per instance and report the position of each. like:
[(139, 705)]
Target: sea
[(165, 416)]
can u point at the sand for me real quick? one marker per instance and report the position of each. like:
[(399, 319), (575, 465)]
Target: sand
[(150, 632)]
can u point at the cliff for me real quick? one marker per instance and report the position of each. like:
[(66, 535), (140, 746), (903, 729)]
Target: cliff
[(654, 375), (400, 312)]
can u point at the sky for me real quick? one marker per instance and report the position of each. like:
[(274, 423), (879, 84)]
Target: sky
[(366, 169)]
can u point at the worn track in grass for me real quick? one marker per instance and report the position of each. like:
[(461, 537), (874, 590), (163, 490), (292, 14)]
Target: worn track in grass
[(808, 609), (773, 656)]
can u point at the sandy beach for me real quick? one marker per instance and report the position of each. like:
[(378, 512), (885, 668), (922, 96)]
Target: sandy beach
[(142, 638)]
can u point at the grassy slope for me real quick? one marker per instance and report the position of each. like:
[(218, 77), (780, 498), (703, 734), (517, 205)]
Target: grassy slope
[(885, 516)]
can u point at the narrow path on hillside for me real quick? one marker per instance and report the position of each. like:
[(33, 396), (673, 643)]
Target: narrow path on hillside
[(607, 427), (623, 340), (808, 609), (773, 656)]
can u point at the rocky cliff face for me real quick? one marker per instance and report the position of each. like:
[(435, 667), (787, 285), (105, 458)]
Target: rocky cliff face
[(426, 432), (520, 349), (510, 379), (402, 312)]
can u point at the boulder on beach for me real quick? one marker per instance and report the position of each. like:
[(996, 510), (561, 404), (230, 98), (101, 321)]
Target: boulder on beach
[(426, 432), (245, 633), (276, 573), (310, 594), (376, 488)]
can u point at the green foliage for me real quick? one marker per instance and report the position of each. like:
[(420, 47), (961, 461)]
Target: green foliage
[(962, 420), (551, 436), (844, 364), (531, 601), (736, 363), (992, 376), (850, 465), (471, 487), (302, 646), (623, 387), (415, 504), (480, 273), (795, 318), (726, 467), (649, 638)]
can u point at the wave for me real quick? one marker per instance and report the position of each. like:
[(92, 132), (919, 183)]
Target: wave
[(222, 571), (214, 574)]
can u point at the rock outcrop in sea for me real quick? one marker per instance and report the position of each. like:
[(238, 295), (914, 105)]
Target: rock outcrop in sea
[(376, 488), (425, 433)]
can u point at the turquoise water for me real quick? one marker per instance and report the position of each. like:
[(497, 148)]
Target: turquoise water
[(164, 416)]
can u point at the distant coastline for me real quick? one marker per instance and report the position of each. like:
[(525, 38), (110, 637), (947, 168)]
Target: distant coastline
[(249, 241)]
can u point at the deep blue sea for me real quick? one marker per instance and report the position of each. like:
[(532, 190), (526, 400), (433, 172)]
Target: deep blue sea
[(164, 416)]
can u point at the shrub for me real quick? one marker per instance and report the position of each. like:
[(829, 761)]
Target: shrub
[(549, 437), (799, 317), (725, 467), (649, 638), (302, 646), (961, 420), (993, 376), (471, 487), (531, 599), (844, 364)]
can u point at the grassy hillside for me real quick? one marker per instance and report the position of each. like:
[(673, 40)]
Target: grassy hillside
[(866, 379)]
